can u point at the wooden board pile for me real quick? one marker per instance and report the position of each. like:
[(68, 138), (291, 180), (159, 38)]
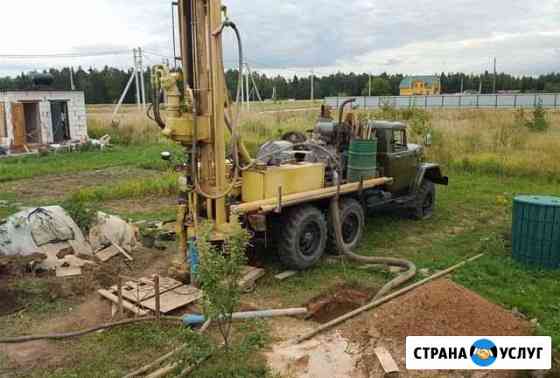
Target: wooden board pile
[(140, 296)]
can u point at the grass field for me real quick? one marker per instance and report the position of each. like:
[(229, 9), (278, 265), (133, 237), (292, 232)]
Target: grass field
[(487, 155)]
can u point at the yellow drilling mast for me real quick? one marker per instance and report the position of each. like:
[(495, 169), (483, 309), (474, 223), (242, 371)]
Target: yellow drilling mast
[(195, 116)]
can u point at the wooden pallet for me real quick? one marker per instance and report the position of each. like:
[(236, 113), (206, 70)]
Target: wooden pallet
[(174, 299), (139, 295), (143, 288)]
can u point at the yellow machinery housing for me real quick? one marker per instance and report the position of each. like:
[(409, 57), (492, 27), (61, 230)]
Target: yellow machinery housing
[(263, 184)]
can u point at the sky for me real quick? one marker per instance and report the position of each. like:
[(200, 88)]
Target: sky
[(291, 37)]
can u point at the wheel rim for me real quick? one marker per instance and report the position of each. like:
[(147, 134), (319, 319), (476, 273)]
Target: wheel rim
[(309, 239), (350, 228)]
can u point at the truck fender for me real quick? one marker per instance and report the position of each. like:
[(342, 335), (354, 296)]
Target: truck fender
[(429, 171)]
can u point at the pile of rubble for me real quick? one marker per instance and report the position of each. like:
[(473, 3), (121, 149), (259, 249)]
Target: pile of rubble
[(54, 238)]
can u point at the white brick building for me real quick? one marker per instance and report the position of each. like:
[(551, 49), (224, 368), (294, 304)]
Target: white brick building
[(34, 118)]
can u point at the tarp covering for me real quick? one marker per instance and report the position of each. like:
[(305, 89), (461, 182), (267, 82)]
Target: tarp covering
[(24, 233)]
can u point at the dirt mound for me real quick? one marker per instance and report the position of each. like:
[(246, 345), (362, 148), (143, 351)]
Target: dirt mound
[(443, 308), (337, 302), (440, 308)]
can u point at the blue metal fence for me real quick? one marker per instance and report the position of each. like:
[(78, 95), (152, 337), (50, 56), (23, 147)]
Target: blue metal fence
[(486, 101)]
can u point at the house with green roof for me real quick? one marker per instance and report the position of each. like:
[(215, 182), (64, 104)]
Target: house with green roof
[(420, 85)]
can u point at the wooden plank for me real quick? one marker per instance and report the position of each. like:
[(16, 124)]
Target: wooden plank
[(285, 275), (143, 288), (18, 122), (127, 305), (137, 291), (128, 257), (70, 271), (174, 299), (165, 283), (107, 253), (3, 130), (386, 360), (250, 277)]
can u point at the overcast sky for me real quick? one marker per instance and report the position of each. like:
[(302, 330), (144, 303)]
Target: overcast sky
[(295, 36)]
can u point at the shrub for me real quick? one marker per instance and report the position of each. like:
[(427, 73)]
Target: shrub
[(83, 215), (220, 270), (537, 121)]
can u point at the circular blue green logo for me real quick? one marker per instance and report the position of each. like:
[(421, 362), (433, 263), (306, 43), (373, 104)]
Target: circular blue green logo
[(484, 352)]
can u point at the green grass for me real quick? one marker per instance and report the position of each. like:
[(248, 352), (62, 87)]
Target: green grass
[(7, 208), (165, 214), (124, 349), (116, 353), (135, 188), (33, 166)]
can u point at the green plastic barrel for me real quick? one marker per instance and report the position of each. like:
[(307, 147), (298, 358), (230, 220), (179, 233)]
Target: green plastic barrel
[(536, 231), (362, 160)]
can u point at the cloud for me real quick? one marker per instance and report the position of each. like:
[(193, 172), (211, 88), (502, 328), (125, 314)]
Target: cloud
[(292, 36)]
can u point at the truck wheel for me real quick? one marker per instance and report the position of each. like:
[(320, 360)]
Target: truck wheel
[(425, 201), (353, 217), (302, 238)]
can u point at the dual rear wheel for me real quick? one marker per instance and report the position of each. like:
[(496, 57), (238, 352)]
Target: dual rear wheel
[(305, 233)]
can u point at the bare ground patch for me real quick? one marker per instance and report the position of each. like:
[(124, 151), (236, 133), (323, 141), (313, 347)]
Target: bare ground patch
[(439, 308), (84, 309)]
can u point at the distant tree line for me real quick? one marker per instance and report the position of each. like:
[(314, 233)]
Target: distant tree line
[(104, 86)]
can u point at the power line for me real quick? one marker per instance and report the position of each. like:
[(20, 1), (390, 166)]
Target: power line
[(64, 55), (159, 55)]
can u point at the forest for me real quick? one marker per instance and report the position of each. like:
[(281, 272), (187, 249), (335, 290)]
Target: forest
[(104, 86)]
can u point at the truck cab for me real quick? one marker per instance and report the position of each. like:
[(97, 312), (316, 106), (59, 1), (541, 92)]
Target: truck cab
[(396, 157)]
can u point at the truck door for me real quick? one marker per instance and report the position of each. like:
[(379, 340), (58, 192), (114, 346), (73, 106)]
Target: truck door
[(401, 162)]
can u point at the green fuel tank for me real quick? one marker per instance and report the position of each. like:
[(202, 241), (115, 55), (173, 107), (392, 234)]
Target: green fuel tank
[(362, 160)]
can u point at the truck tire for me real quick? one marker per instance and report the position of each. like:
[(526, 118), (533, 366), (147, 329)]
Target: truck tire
[(353, 218), (302, 237), (424, 204)]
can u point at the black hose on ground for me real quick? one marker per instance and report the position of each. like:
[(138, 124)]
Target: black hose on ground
[(60, 336), (409, 274)]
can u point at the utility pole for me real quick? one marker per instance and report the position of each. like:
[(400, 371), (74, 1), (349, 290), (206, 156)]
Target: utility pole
[(123, 95), (173, 5), (136, 79), (462, 84), (142, 80), (242, 84), (255, 87), (312, 85), (369, 90), (72, 85), (247, 93), (495, 75)]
